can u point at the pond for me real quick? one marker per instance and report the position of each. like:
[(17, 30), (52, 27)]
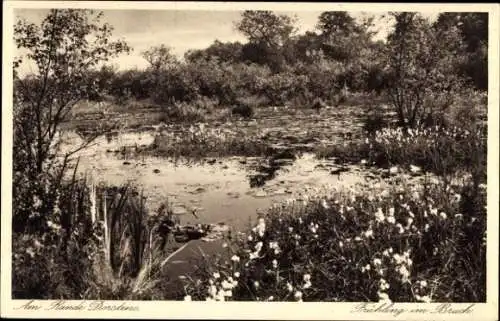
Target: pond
[(232, 190)]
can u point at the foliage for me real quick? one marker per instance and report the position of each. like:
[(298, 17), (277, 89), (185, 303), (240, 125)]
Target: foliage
[(159, 57), (67, 45), (473, 28), (266, 27), (421, 62)]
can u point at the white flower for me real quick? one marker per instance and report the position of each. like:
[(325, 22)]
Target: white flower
[(383, 285), (383, 297), (366, 268), (258, 246), (187, 298), (235, 258), (298, 295), (216, 275), (409, 221), (226, 285), (261, 227), (341, 244), (271, 298), (369, 233), (400, 227), (443, 215), (391, 220), (221, 295), (307, 285), (357, 238), (379, 215), (426, 227), (377, 262), (37, 202), (307, 277), (415, 169), (250, 238), (423, 283), (398, 258), (212, 290), (425, 298), (256, 284), (236, 274), (275, 264), (324, 204), (290, 229), (224, 245), (289, 287), (403, 271)]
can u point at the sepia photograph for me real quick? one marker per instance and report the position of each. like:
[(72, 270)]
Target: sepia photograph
[(249, 155)]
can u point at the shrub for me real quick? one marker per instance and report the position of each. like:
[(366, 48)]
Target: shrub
[(243, 110), (190, 112), (422, 64)]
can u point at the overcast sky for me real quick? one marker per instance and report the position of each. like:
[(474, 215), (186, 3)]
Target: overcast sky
[(179, 29)]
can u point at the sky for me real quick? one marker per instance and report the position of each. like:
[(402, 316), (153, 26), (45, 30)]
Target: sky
[(179, 29)]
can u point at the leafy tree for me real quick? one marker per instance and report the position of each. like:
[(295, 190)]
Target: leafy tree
[(266, 27), (421, 67), (222, 51), (159, 57), (342, 37), (473, 28), (65, 48), (267, 32), (305, 48)]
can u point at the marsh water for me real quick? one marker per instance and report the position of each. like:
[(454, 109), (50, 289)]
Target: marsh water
[(216, 191)]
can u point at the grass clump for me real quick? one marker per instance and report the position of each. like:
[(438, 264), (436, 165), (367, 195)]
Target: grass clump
[(199, 142), (440, 150)]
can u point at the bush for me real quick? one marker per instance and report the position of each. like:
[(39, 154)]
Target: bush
[(189, 112), (243, 110)]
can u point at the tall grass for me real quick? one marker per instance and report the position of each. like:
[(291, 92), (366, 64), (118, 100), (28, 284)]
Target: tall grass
[(405, 244), (103, 248), (440, 150)]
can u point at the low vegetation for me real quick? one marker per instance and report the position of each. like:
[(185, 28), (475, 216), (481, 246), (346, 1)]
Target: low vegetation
[(410, 241)]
